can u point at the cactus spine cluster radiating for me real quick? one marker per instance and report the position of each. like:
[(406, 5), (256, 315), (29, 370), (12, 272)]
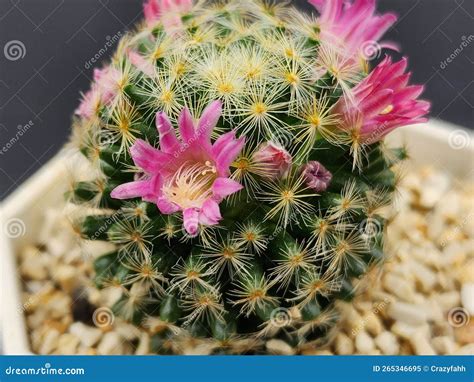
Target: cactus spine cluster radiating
[(238, 168)]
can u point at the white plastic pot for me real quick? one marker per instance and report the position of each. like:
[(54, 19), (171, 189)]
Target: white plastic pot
[(439, 144)]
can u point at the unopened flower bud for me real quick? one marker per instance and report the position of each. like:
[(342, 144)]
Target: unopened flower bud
[(317, 177), (273, 160)]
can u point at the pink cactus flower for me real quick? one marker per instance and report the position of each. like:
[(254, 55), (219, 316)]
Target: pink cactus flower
[(317, 176), (354, 24), (273, 160), (108, 80), (167, 11), (90, 104), (189, 175), (382, 102), (104, 90), (141, 63)]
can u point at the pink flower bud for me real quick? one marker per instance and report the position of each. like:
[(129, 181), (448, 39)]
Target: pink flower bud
[(273, 160), (317, 177)]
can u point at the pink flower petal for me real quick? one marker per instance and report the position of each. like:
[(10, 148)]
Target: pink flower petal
[(168, 141), (154, 189), (98, 74), (390, 45), (378, 102), (191, 220), (186, 125), (166, 207), (352, 22), (210, 213), (141, 63), (208, 121), (318, 4), (89, 102), (228, 155), (221, 143), (152, 11), (131, 190), (147, 157), (223, 187)]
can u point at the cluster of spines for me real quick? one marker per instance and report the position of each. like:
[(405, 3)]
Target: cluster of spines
[(281, 247)]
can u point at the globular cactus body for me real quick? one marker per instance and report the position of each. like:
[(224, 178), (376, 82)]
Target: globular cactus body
[(239, 169)]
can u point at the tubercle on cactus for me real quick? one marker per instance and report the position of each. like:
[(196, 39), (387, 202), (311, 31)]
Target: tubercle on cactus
[(299, 218)]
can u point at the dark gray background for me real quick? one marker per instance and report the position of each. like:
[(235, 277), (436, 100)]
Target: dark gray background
[(61, 36)]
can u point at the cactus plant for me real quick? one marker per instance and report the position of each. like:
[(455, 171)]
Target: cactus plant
[(238, 167)]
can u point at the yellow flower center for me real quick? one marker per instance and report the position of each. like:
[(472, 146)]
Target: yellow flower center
[(228, 252), (167, 96), (180, 69), (253, 73), (250, 236), (292, 78), (226, 88), (191, 185), (289, 52), (317, 285), (242, 164), (297, 259), (288, 195), (158, 53), (323, 226), (256, 294), (193, 275), (259, 108), (314, 120), (334, 71)]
